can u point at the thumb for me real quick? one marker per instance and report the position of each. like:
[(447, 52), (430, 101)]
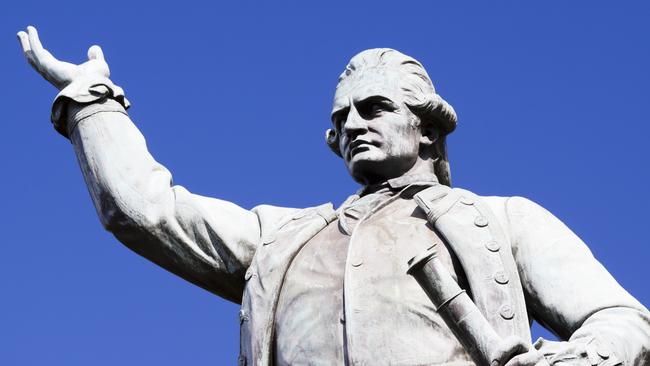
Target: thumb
[(95, 53)]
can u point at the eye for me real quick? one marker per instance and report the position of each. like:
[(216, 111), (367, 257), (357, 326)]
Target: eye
[(376, 109)]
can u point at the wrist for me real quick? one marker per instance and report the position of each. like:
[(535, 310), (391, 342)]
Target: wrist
[(578, 352), (77, 112), (84, 91)]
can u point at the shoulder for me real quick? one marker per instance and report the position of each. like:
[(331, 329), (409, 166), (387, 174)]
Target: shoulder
[(272, 218), (512, 209), (507, 205), (270, 213), (528, 223)]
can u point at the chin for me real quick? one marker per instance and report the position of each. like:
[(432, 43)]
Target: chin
[(367, 168), (367, 171)]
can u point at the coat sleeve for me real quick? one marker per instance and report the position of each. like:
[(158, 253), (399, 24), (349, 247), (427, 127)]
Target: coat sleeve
[(569, 292), (207, 241)]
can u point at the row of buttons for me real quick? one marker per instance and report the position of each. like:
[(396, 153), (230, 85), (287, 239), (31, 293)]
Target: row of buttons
[(501, 277)]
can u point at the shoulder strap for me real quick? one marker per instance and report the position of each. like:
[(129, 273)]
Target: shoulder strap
[(475, 235)]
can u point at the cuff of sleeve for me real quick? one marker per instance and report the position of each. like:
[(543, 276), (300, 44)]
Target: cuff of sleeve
[(83, 111), (583, 352), (84, 91)]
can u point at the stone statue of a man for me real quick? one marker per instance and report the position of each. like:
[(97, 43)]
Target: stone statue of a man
[(325, 286)]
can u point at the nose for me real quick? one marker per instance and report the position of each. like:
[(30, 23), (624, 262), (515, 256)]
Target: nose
[(355, 124)]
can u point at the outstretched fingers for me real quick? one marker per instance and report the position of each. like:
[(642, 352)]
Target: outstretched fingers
[(34, 40), (41, 55), (56, 72), (24, 41), (23, 38)]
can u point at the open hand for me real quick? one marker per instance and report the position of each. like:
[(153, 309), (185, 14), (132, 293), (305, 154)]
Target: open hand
[(60, 73)]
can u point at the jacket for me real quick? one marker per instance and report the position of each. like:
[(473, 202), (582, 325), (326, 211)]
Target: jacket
[(522, 262)]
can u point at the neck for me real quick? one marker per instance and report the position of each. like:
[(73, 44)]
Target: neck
[(422, 166)]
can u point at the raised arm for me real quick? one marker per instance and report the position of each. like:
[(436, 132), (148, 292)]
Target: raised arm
[(207, 241)]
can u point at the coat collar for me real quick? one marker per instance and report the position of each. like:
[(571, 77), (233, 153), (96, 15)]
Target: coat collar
[(396, 184)]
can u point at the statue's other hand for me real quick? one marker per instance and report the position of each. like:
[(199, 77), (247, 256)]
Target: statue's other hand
[(60, 73), (517, 352)]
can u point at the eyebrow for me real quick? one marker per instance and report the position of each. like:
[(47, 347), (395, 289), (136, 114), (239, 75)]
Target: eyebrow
[(378, 99), (369, 99)]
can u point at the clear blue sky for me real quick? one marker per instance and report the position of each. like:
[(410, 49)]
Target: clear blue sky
[(552, 101)]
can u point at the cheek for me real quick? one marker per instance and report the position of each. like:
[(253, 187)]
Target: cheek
[(404, 141), (342, 141)]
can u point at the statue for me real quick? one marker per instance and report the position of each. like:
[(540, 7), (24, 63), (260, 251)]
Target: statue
[(329, 286)]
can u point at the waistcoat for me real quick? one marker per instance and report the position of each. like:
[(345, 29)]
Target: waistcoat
[(459, 216)]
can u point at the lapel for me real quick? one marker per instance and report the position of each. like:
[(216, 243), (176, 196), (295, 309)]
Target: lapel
[(266, 275)]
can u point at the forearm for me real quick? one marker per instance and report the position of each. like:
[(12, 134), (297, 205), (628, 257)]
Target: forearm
[(127, 186), (206, 241), (616, 336), (618, 332)]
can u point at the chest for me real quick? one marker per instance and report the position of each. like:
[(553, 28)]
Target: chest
[(349, 297), (381, 245), (376, 263), (385, 310)]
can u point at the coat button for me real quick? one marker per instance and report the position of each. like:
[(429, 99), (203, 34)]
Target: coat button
[(493, 246), (501, 277), (507, 312), (467, 200), (249, 274), (243, 317), (357, 262), (480, 221), (603, 352)]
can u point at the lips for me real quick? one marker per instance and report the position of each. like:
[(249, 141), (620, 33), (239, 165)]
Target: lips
[(358, 146)]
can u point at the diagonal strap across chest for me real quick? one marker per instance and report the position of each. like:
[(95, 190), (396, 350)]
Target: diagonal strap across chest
[(484, 251)]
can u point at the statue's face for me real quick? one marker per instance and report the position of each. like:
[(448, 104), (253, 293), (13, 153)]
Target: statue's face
[(379, 136)]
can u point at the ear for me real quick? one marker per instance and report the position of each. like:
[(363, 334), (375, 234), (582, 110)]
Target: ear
[(430, 134), (332, 140)]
